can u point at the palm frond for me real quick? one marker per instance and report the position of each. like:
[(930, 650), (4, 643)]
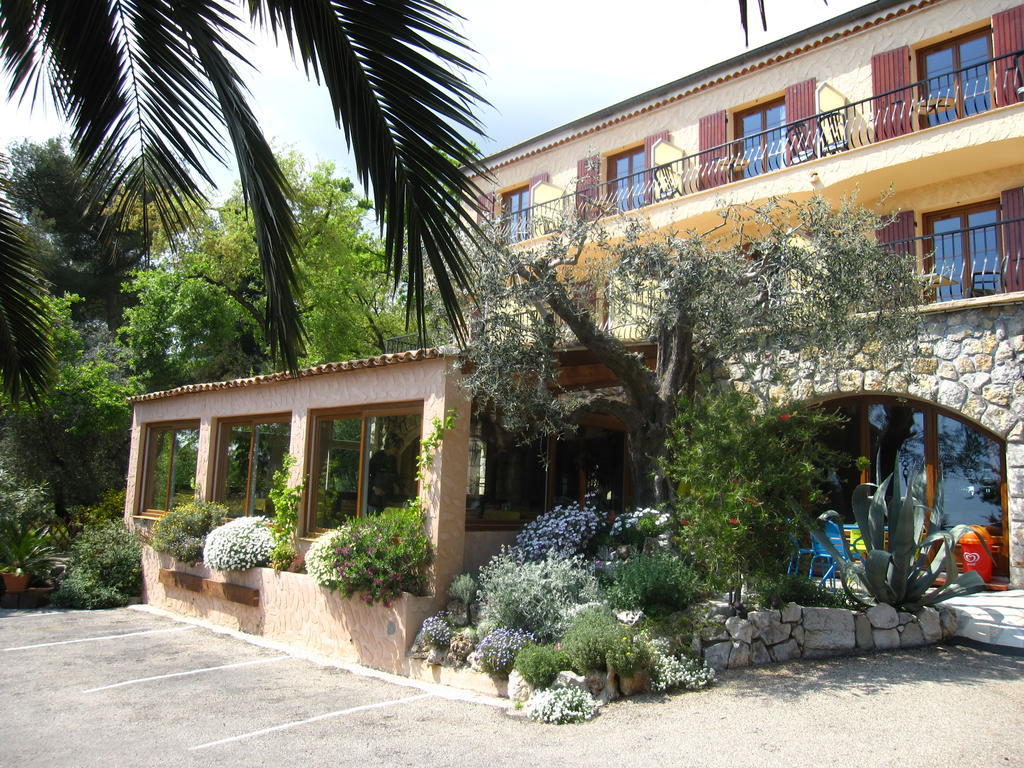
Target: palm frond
[(397, 85), (26, 355)]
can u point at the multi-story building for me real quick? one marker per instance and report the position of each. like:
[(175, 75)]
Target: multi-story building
[(923, 97)]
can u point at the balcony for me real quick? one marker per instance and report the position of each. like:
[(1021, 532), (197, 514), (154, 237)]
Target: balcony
[(935, 101)]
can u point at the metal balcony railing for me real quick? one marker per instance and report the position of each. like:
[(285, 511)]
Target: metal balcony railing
[(934, 101), (982, 260)]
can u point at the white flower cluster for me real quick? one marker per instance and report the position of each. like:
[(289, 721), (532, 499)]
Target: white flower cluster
[(561, 706), (631, 519), (321, 559), (563, 530), (238, 545), (669, 672)]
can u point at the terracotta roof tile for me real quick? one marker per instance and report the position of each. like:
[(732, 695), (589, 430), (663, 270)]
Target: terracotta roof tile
[(349, 365)]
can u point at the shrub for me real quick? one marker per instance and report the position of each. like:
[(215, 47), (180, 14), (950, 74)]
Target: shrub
[(565, 531), (561, 706), (437, 631), (652, 583), (533, 596), (104, 571), (497, 652), (239, 545), (540, 664), (463, 587), (669, 671), (109, 508), (633, 526), (589, 636), (181, 533), (380, 556), (776, 591), (628, 653)]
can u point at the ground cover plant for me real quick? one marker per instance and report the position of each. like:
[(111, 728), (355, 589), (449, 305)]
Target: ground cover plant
[(182, 532), (497, 651), (104, 570), (239, 545), (671, 671), (437, 631), (561, 706)]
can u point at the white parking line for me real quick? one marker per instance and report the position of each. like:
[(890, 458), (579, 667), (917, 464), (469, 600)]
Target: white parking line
[(297, 723), (189, 672), (94, 639)]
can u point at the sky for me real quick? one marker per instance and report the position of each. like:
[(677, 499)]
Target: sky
[(544, 63)]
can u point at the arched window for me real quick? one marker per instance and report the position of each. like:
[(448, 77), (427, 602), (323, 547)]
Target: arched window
[(965, 465)]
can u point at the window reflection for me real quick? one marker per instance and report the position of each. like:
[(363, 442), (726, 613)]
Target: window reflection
[(970, 477), (251, 452), (173, 453)]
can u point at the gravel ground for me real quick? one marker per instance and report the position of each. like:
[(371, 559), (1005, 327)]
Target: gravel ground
[(942, 706)]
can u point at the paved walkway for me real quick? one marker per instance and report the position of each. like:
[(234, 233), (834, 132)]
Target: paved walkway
[(992, 618)]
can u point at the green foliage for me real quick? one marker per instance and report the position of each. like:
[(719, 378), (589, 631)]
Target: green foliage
[(463, 587), (381, 556), (905, 555), (534, 597), (589, 636), (658, 583), (104, 571), (285, 499), (745, 475), (181, 533), (109, 508), (776, 591), (629, 653), (540, 664), (25, 548)]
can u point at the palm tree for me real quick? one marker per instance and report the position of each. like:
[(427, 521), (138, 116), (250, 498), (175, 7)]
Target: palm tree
[(149, 88)]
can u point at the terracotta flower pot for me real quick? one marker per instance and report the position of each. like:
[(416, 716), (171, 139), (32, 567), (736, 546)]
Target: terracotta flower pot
[(15, 584)]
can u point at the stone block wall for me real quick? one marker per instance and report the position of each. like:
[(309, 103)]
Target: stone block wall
[(795, 632)]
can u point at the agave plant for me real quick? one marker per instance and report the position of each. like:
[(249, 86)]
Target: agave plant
[(24, 548), (902, 571)]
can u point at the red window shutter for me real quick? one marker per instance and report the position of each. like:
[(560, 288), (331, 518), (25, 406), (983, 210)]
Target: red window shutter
[(588, 173), (649, 143), (897, 234), (802, 133), (1008, 38), (893, 111), (714, 154), (1012, 201), (484, 207)]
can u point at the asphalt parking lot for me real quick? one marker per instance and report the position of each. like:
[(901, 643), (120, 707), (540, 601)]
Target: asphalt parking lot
[(126, 688)]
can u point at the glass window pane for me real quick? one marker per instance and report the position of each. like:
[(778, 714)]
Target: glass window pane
[(160, 461), (337, 463), (392, 446), (269, 449), (236, 476), (507, 481), (949, 257), (186, 455), (970, 475), (841, 481), (983, 240), (172, 477), (896, 440)]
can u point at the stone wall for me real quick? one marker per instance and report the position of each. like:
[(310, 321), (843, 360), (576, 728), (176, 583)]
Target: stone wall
[(968, 361), (794, 632)]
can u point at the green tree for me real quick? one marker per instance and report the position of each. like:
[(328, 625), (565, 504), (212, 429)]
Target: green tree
[(150, 89)]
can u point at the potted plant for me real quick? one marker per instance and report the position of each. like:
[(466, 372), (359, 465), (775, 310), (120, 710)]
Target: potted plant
[(25, 551)]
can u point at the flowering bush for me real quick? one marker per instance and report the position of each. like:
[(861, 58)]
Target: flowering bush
[(181, 533), (561, 706), (437, 631), (563, 530), (238, 545), (635, 525), (321, 557), (669, 671), (497, 652), (535, 597), (629, 653)]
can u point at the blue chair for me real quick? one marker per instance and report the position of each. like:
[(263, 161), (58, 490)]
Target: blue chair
[(822, 556), (798, 553)]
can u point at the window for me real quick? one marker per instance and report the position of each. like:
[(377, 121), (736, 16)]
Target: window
[(962, 247), (249, 452), (170, 475), (516, 208), (507, 480), (963, 465), (363, 462), (627, 187), (955, 78), (761, 140)]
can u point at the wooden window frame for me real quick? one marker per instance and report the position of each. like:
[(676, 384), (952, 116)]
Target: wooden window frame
[(738, 154), (921, 54), (312, 469), (928, 221), (149, 444), (612, 176), (221, 461), (522, 217)]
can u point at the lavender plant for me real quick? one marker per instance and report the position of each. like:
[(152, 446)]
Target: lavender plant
[(497, 652)]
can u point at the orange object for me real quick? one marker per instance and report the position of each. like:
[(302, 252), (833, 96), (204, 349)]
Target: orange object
[(974, 554)]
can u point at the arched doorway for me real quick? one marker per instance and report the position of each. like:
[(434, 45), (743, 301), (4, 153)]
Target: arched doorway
[(965, 464)]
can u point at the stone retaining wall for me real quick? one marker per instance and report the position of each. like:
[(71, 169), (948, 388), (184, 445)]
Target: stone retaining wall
[(795, 632)]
